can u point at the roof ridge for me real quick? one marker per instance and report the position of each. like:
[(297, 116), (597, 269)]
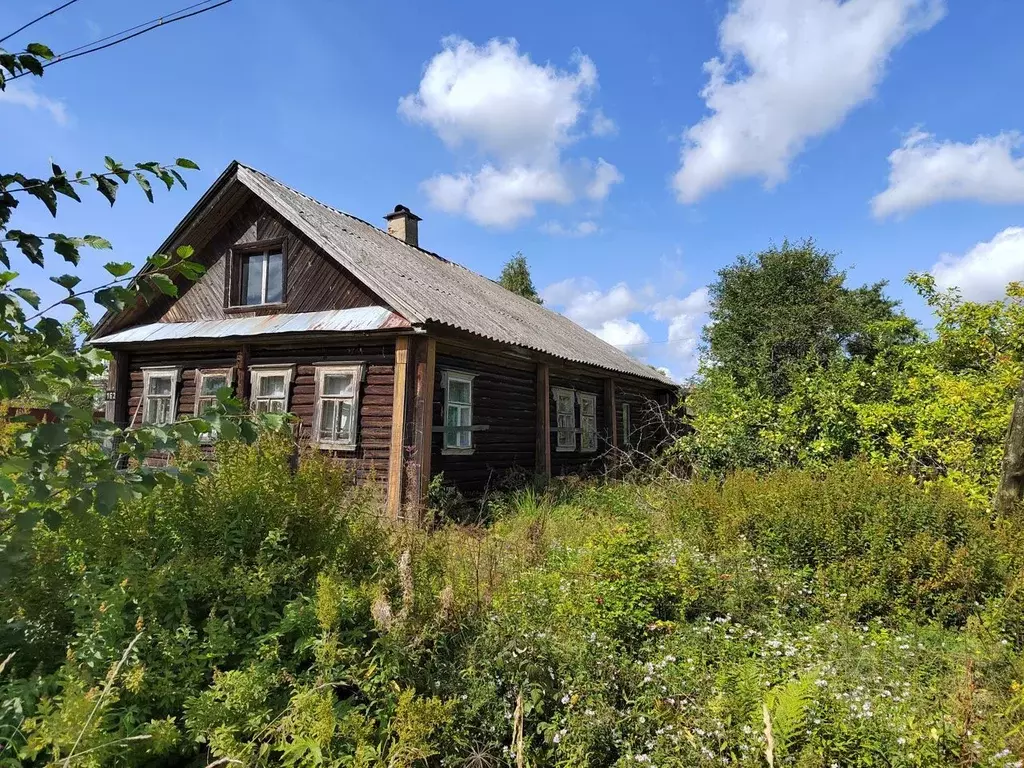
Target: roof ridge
[(348, 215), (516, 326)]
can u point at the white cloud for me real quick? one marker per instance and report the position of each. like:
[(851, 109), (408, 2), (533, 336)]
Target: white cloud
[(602, 125), (983, 273), (24, 94), (518, 115), (608, 314), (624, 334), (605, 175), (789, 71), (580, 229), (585, 304), (925, 171), (494, 197), (686, 317)]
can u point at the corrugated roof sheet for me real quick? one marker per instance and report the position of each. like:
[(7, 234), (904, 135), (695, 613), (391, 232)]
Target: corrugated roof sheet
[(426, 288), (361, 319)]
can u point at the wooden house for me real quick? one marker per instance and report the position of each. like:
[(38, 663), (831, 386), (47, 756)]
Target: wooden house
[(391, 357)]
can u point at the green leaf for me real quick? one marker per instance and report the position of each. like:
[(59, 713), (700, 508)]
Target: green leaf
[(184, 162), (106, 187), (144, 183), (31, 63), (185, 251), (178, 176), (40, 50), (158, 260), (66, 247), (77, 302), (29, 244), (42, 191), (61, 184), (66, 281), (165, 285), (30, 296), (109, 298), (118, 268), (95, 241)]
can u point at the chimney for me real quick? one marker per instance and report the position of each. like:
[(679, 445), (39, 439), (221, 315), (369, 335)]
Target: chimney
[(404, 224)]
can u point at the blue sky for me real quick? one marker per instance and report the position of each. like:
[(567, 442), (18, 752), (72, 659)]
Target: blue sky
[(628, 149)]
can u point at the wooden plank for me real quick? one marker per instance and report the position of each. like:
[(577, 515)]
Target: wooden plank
[(242, 373), (120, 382), (543, 451), (426, 412), (611, 423), (397, 448)]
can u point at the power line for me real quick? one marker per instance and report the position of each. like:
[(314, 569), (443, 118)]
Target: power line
[(38, 18), (155, 21), (123, 36)]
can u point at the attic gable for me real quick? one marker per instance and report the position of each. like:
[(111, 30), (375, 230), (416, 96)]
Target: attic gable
[(229, 226)]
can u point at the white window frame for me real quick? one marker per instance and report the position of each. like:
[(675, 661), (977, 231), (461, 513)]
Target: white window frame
[(627, 426), (466, 378), (265, 276), (588, 424), (257, 372), (562, 395), (162, 372), (357, 371), (201, 374)]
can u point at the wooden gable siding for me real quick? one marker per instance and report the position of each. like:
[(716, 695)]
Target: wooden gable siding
[(369, 460), (313, 280), (504, 401), (577, 462)]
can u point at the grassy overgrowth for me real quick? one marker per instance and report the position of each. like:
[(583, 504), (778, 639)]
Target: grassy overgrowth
[(842, 618)]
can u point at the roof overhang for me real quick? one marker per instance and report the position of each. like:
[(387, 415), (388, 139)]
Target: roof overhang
[(359, 320)]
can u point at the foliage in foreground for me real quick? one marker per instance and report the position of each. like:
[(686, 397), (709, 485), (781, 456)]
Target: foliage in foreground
[(272, 618)]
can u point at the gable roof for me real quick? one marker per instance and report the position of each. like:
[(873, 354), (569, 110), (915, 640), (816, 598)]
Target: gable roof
[(424, 287)]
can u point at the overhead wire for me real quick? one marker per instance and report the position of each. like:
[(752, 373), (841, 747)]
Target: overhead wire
[(38, 18), (132, 32)]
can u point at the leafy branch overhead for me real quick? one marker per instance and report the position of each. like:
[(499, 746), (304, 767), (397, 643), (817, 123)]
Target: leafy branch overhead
[(72, 462)]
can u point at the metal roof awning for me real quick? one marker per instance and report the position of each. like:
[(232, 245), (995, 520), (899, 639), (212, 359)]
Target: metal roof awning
[(331, 321)]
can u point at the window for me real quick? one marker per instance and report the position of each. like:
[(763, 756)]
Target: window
[(565, 419), (270, 388), (207, 385), (160, 391), (588, 422), (257, 275), (337, 405), (627, 426), (458, 411)]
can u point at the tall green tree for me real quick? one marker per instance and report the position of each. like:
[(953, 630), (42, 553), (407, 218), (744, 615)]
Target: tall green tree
[(789, 306), (515, 277)]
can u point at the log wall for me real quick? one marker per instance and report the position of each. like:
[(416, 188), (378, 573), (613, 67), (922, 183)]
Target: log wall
[(370, 459)]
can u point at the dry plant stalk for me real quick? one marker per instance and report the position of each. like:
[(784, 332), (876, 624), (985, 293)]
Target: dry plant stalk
[(769, 748), (517, 732)]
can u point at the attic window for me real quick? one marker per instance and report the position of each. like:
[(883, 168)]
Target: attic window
[(257, 274)]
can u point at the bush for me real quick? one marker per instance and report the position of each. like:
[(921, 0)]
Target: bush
[(266, 616)]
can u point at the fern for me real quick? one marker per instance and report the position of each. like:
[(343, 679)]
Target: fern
[(784, 713)]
